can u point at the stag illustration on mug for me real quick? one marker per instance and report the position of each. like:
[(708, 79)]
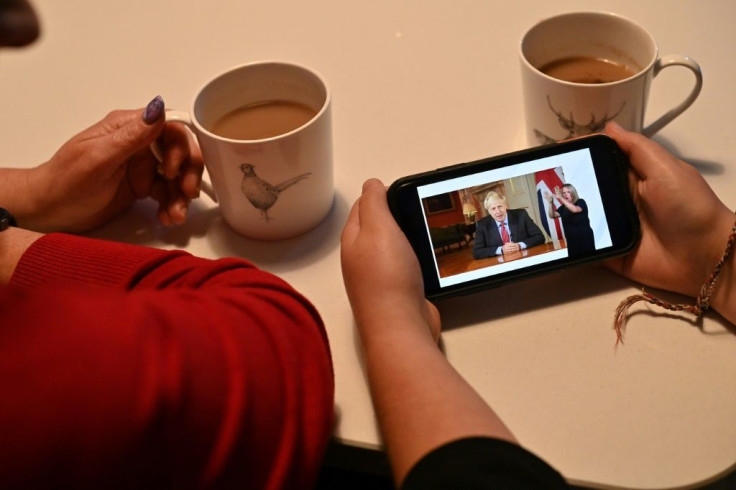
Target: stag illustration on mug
[(573, 128)]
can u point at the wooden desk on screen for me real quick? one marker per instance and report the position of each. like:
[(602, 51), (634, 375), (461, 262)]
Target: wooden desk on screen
[(461, 260)]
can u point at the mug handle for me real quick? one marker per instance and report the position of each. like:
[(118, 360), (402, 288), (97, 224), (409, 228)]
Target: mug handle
[(659, 65), (182, 117)]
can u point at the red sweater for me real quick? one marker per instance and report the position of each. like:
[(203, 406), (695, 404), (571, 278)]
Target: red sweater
[(127, 366)]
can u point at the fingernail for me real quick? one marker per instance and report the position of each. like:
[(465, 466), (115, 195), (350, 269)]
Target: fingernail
[(182, 214), (154, 110), (614, 125)]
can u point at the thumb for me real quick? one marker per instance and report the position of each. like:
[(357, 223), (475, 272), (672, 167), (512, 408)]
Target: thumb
[(131, 131), (373, 204)]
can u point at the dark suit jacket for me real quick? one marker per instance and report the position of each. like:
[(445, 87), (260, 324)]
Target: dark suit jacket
[(521, 228)]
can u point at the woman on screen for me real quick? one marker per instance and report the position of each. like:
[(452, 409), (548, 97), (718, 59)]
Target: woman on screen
[(574, 214)]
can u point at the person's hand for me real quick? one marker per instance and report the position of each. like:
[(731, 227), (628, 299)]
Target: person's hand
[(381, 273), (101, 171), (510, 247), (548, 197), (683, 223)]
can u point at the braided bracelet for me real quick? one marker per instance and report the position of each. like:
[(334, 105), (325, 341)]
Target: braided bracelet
[(702, 303)]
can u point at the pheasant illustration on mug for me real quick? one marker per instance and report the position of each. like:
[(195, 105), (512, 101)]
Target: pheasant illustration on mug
[(260, 193)]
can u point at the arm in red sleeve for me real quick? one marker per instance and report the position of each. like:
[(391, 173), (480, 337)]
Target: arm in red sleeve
[(130, 366)]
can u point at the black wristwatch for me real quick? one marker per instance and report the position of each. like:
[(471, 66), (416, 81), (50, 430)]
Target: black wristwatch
[(6, 219)]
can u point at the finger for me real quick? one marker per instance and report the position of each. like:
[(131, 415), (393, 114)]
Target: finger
[(646, 157), (163, 216), (352, 226), (178, 209), (158, 190), (176, 149), (374, 209), (142, 174), (160, 193), (616, 265), (191, 172), (173, 206), (191, 182), (433, 320), (177, 205), (126, 132)]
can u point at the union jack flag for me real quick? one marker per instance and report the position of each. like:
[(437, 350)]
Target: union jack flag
[(546, 181)]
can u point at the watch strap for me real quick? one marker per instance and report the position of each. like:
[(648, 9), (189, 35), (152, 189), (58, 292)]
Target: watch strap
[(6, 219)]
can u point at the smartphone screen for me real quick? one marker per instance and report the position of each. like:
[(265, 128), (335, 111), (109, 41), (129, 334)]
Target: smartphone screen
[(480, 224)]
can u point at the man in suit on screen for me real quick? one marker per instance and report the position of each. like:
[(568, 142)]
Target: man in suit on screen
[(504, 230)]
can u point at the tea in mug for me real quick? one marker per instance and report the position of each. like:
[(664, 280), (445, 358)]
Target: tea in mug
[(583, 69), (263, 120)]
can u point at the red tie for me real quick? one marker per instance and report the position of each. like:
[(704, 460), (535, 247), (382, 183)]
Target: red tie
[(504, 233)]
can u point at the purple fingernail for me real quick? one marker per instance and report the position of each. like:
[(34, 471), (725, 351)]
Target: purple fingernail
[(154, 110)]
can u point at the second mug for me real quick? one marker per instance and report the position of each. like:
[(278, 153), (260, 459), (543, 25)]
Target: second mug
[(583, 69)]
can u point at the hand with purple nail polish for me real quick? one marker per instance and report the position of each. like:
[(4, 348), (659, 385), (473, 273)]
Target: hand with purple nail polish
[(102, 171)]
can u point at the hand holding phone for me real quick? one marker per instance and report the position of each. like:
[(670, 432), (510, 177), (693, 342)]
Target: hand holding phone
[(480, 224), (381, 273)]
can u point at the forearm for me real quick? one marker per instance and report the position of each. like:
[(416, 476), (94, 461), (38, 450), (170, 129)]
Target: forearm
[(19, 194), (699, 267), (570, 206), (13, 244), (186, 341), (169, 384), (724, 296), (723, 299), (420, 400), (535, 235), (482, 249)]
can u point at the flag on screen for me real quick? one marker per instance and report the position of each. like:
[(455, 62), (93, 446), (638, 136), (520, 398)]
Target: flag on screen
[(547, 180)]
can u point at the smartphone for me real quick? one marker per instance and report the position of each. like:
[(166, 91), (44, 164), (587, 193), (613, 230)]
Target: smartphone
[(482, 224)]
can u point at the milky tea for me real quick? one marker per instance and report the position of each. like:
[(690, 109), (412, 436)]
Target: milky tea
[(263, 120), (584, 69)]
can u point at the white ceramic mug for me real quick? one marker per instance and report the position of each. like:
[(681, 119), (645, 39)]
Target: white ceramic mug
[(556, 109), (272, 188)]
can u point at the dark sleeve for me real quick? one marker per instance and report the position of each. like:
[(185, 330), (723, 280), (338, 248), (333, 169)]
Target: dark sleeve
[(482, 247), (534, 234), (476, 463), (584, 205), (131, 367)]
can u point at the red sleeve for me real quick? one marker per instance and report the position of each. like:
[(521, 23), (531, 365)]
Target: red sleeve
[(136, 367)]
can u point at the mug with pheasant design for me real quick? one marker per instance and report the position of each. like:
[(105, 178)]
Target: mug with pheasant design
[(580, 70), (264, 129)]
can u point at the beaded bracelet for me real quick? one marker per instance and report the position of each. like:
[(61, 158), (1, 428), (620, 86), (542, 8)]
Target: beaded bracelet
[(702, 303)]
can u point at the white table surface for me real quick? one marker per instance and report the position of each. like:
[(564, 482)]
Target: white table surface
[(418, 85)]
